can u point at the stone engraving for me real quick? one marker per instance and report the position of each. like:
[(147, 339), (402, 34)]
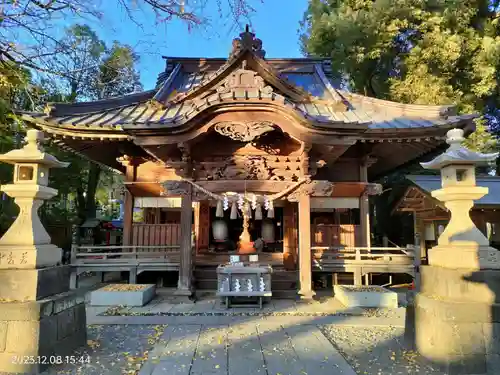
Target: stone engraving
[(243, 132)]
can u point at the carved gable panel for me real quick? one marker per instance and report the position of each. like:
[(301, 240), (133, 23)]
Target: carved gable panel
[(243, 132), (245, 81), (242, 167)]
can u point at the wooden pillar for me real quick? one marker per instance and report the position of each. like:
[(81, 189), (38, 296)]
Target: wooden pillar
[(128, 217), (289, 236), (184, 286), (128, 205), (364, 220), (305, 271), (196, 213), (364, 207), (419, 238)]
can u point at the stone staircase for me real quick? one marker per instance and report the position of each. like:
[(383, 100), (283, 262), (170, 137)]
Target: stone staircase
[(283, 282)]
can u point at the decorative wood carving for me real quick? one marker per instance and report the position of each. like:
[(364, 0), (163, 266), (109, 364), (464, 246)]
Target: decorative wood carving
[(373, 189), (314, 188), (313, 168), (176, 188), (247, 40), (243, 79), (243, 132), (242, 167)]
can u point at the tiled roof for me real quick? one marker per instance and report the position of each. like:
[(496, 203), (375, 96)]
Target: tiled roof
[(428, 183), (165, 107)]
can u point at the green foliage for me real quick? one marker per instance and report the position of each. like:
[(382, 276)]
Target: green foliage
[(421, 52), (117, 74)]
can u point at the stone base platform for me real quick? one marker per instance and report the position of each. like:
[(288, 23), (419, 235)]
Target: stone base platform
[(365, 296), (36, 334), (123, 295), (455, 320)]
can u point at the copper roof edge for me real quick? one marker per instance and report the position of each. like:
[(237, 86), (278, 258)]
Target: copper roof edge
[(270, 59)]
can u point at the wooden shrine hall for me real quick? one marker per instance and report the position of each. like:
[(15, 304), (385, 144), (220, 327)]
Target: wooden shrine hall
[(248, 154)]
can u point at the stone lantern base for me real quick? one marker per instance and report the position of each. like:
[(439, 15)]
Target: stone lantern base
[(37, 333), (455, 320)]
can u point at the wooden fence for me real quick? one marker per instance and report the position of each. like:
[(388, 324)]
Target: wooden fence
[(329, 235), (156, 235)]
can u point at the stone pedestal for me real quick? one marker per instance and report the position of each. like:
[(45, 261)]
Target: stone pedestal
[(44, 331), (457, 319)]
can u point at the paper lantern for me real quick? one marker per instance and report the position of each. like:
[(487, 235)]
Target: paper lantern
[(258, 212), (234, 211), (220, 231), (219, 212), (270, 210)]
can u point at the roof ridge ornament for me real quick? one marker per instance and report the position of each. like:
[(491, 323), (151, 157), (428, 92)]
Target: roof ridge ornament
[(247, 41)]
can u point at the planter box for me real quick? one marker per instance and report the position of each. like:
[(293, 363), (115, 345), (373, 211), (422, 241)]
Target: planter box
[(120, 295), (365, 296)]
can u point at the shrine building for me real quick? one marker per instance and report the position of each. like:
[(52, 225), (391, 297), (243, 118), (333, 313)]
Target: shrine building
[(247, 155)]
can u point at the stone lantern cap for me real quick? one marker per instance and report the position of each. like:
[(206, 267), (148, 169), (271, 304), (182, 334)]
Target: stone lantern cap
[(32, 153), (457, 154)]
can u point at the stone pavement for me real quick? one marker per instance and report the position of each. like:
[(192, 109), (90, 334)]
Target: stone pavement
[(244, 349)]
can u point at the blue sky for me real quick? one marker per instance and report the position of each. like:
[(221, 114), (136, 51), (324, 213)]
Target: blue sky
[(275, 22)]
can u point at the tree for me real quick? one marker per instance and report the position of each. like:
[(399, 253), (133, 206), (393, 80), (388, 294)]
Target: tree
[(422, 52), (90, 71), (29, 28), (17, 91)]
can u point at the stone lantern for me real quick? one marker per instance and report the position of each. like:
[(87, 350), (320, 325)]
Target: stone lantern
[(462, 244), (27, 242), (39, 317), (455, 310)]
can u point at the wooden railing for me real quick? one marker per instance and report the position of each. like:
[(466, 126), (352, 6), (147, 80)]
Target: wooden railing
[(134, 259), (122, 254), (344, 235), (385, 259), (150, 235)]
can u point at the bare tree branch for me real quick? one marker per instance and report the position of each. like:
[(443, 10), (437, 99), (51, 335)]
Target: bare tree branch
[(28, 28)]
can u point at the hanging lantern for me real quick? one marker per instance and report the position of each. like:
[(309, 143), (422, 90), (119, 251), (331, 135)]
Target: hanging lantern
[(258, 212), (268, 230), (219, 212), (225, 203), (270, 210), (234, 211), (220, 231)]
